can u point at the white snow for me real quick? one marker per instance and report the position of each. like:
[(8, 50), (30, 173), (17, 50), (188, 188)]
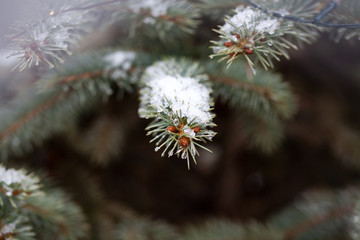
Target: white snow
[(170, 93), (252, 20), (120, 62), (20, 178), (189, 131), (8, 228), (156, 7), (121, 59), (282, 12)]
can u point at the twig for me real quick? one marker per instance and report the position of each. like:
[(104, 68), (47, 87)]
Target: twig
[(316, 20)]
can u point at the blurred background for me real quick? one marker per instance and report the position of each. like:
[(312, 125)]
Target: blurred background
[(321, 148)]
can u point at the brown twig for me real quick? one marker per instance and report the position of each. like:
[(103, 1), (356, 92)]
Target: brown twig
[(79, 77)]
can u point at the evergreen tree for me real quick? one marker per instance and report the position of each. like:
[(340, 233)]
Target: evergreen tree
[(87, 82)]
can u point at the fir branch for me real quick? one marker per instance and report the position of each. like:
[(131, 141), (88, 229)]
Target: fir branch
[(162, 19), (216, 9), (245, 86), (53, 215), (91, 6), (18, 229), (315, 21), (264, 94), (263, 101), (258, 37), (82, 81), (78, 77), (19, 123), (46, 214), (17, 183), (176, 94), (304, 226)]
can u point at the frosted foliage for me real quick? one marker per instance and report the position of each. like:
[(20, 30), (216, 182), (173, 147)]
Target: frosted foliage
[(20, 178), (252, 20), (8, 228), (171, 93), (156, 7), (189, 131), (56, 28), (122, 61), (183, 95), (57, 34)]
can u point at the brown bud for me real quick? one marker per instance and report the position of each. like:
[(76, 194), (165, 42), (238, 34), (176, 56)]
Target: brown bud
[(33, 46), (237, 36), (262, 39), (16, 192), (228, 44), (248, 50), (172, 129), (196, 129), (184, 141)]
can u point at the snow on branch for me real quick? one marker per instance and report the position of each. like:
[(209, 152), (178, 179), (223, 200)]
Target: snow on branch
[(17, 182), (258, 37), (177, 96), (49, 37)]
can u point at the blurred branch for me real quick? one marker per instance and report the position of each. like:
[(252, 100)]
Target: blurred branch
[(242, 85), (316, 20), (31, 114), (308, 224)]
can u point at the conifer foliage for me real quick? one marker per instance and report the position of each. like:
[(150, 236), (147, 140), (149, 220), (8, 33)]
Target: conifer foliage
[(165, 54)]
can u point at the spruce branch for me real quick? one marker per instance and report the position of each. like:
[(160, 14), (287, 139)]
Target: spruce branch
[(78, 84), (161, 19), (54, 216), (217, 9), (18, 183), (176, 94), (16, 228), (316, 20), (264, 101), (299, 229), (49, 37), (259, 37), (27, 210)]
